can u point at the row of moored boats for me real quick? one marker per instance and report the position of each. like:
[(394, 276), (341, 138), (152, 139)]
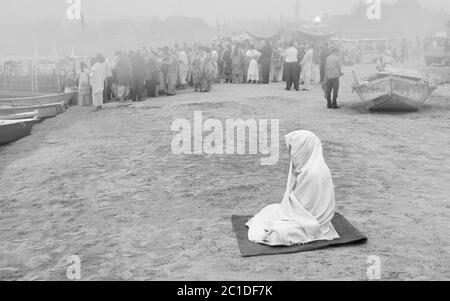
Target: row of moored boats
[(18, 116)]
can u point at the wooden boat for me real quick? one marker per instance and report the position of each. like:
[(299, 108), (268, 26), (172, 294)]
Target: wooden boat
[(44, 111), (393, 90), (39, 99), (13, 130), (27, 115)]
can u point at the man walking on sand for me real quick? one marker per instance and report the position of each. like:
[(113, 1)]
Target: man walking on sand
[(333, 73), (291, 67)]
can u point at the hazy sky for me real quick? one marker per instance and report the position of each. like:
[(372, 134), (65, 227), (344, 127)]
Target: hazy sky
[(33, 10)]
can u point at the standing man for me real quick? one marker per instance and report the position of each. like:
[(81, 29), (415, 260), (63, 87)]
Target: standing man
[(98, 77), (197, 60), (332, 74), (172, 72), (137, 76), (151, 75), (324, 53), (291, 67), (123, 76)]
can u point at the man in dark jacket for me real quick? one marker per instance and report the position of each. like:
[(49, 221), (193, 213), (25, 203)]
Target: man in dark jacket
[(137, 76)]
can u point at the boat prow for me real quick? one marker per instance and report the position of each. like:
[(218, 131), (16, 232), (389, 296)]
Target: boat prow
[(393, 92), (65, 98), (13, 130), (44, 110)]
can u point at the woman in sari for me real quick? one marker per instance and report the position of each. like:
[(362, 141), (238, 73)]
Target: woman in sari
[(277, 64), (253, 69), (308, 205)]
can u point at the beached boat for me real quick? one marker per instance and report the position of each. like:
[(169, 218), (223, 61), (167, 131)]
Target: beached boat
[(44, 111), (27, 115), (13, 130), (394, 90), (65, 98)]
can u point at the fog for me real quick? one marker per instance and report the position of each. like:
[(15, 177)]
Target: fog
[(20, 11), (119, 24)]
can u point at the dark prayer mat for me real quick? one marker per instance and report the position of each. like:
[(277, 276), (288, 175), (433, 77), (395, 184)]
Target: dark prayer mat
[(347, 232)]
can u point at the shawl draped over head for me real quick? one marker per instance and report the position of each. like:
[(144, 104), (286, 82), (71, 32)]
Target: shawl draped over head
[(308, 205)]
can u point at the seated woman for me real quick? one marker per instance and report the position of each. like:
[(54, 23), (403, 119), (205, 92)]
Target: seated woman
[(308, 205)]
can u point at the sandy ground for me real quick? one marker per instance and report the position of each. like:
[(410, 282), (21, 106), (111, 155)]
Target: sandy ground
[(106, 187)]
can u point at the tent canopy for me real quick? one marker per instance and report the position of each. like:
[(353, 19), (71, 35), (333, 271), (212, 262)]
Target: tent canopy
[(304, 35)]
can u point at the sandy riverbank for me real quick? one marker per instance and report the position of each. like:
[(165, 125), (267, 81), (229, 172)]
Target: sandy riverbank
[(106, 187)]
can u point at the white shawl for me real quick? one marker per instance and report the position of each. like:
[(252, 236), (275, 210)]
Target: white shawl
[(308, 205)]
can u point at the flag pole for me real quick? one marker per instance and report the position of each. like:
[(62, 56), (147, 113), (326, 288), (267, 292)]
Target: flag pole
[(218, 29)]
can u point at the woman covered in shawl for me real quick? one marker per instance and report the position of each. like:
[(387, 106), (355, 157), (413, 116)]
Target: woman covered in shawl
[(209, 70), (308, 205), (84, 88), (227, 64), (253, 70)]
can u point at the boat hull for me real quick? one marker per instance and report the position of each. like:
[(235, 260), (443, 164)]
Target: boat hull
[(28, 115), (11, 131), (41, 99), (394, 94), (44, 111)]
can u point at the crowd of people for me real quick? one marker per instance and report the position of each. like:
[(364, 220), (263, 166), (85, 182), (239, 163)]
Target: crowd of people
[(147, 72)]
